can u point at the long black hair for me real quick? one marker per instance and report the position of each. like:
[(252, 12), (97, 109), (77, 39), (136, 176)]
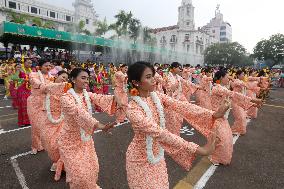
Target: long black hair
[(76, 71), (175, 65), (219, 74), (136, 70)]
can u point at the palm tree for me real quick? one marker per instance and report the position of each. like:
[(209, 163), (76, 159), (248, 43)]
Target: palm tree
[(134, 28), (18, 18), (37, 22), (49, 24), (102, 27), (122, 23)]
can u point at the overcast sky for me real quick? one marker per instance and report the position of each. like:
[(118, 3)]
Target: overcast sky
[(251, 20)]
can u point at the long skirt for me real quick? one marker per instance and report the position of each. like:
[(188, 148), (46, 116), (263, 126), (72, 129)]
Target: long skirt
[(36, 118), (13, 92), (22, 96), (240, 124), (224, 148)]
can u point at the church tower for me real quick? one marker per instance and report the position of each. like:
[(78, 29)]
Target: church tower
[(186, 15), (84, 11)]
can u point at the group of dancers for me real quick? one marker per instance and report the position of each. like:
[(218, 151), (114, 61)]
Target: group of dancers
[(156, 100)]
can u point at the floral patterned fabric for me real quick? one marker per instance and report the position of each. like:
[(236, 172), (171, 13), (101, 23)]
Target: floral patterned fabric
[(224, 149), (121, 93), (36, 108), (142, 174), (239, 113), (79, 157)]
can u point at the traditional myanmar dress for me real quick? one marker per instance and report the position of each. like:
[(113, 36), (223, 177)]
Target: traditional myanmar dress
[(159, 82), (120, 90), (149, 171), (177, 88), (52, 123), (98, 87), (240, 123), (252, 91), (23, 93), (203, 96), (36, 109), (77, 150), (14, 82), (8, 73), (224, 149)]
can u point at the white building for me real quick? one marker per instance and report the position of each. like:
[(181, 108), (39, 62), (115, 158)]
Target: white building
[(183, 38), (221, 30), (61, 17)]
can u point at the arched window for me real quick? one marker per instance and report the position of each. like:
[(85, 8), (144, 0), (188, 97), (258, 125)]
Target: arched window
[(163, 40), (173, 39)]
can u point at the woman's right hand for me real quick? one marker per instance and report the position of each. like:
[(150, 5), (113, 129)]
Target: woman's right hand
[(208, 148), (226, 104)]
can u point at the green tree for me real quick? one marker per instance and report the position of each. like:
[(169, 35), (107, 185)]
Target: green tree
[(81, 26), (122, 23), (18, 18), (37, 21), (271, 51), (102, 27), (49, 25), (134, 29), (226, 54)]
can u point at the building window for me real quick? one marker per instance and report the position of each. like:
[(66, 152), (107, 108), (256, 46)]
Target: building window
[(38, 11), (19, 7), (34, 10), (186, 38), (28, 8), (87, 21), (12, 5), (173, 39), (187, 48), (213, 31), (223, 39), (222, 33), (188, 11), (187, 23), (52, 14), (163, 40), (223, 28), (68, 18)]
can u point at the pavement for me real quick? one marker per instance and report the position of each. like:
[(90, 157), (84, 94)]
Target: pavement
[(257, 159)]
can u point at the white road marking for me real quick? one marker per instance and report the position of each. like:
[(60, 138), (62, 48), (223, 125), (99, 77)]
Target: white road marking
[(188, 132), (18, 171), (14, 130), (2, 107), (210, 171)]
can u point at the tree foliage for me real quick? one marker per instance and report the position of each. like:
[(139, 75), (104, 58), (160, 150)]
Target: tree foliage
[(227, 54), (102, 27), (271, 51)]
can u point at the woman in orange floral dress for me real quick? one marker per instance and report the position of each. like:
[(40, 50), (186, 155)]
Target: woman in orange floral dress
[(120, 90), (177, 88), (76, 145), (145, 163), (53, 120), (224, 148), (252, 91), (39, 82), (203, 96), (240, 123)]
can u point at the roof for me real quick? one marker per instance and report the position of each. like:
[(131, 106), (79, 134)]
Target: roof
[(157, 30)]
